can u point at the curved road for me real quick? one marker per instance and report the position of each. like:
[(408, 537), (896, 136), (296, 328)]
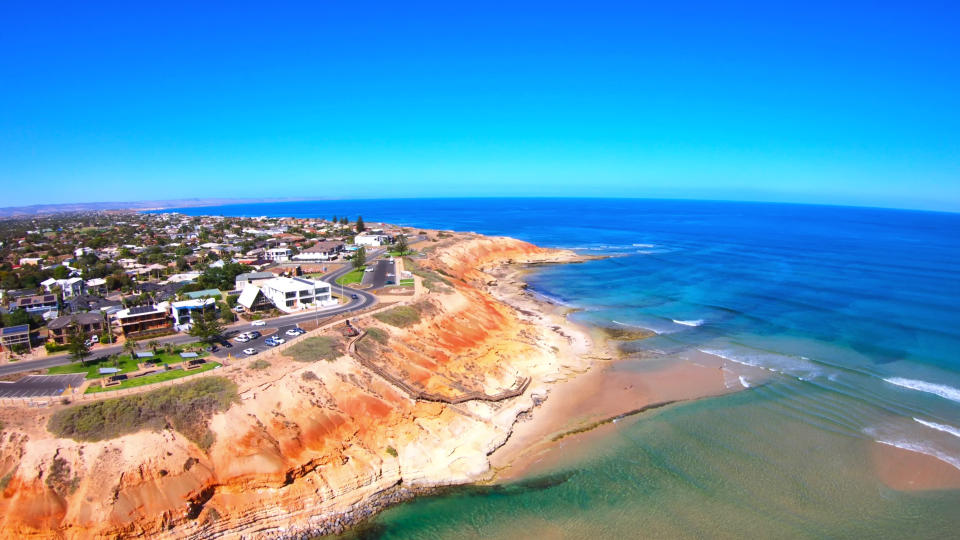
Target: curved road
[(363, 300)]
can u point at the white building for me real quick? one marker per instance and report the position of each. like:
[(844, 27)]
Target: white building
[(71, 286), (288, 294), (279, 254), (186, 311), (373, 240)]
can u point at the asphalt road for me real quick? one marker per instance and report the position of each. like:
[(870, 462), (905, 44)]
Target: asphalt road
[(383, 271), (363, 300), (40, 385)]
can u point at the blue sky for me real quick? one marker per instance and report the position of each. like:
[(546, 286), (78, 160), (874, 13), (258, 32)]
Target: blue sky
[(854, 104)]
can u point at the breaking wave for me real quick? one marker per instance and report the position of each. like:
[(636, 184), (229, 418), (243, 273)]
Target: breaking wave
[(939, 427), (694, 322), (942, 390)]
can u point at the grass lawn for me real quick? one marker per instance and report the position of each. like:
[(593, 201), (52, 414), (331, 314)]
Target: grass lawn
[(151, 379), (355, 276), (406, 253), (126, 364), (406, 282)]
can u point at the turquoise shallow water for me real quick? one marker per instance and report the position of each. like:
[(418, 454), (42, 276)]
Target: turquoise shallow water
[(851, 313)]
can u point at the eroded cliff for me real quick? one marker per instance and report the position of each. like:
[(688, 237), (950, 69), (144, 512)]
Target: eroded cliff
[(308, 445)]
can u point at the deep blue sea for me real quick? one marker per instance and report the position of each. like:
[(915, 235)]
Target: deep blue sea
[(853, 312)]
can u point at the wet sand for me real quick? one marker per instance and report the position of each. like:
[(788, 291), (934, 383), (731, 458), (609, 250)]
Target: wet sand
[(589, 405), (905, 470)]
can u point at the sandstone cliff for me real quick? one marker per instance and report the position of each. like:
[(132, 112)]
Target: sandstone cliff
[(308, 445)]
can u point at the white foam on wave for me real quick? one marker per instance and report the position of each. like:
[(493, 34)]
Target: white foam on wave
[(942, 390), (778, 363), (744, 382), (939, 427), (694, 322), (923, 449), (654, 330), (645, 245)]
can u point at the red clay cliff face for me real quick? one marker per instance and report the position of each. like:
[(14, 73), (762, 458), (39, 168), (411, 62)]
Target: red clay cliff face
[(306, 442)]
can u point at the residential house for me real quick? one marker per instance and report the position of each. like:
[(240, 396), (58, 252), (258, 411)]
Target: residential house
[(71, 286), (186, 311), (321, 251), (372, 240), (143, 321), (251, 278), (288, 294), (91, 324), (12, 336), (277, 254), (36, 303)]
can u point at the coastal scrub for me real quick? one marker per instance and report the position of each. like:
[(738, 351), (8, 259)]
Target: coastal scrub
[(186, 407)]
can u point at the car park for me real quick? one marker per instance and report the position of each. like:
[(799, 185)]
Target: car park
[(250, 352)]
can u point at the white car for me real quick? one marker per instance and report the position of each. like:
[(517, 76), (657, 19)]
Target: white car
[(243, 338), (250, 352), (258, 323), (279, 340), (293, 332), (369, 270)]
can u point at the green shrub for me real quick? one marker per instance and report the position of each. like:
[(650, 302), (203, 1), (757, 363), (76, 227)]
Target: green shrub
[(260, 363), (392, 451), (52, 347), (378, 334), (186, 407), (316, 348), (400, 316), (5, 481)]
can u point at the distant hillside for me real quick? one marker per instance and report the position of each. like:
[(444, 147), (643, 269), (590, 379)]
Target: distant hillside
[(46, 209)]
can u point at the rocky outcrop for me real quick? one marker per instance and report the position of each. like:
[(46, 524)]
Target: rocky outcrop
[(309, 447)]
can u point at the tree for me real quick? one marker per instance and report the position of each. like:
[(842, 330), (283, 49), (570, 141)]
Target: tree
[(207, 328), (359, 257), (153, 345), (77, 344), (402, 245), (360, 226), (130, 347)]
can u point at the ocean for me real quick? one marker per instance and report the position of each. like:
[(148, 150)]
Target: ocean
[(851, 313)]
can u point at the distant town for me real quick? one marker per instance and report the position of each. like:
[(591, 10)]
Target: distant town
[(73, 284)]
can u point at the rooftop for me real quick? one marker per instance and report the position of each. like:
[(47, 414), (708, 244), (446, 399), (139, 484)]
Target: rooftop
[(79, 318), (14, 330)]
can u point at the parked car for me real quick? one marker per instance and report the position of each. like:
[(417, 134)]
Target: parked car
[(258, 323), (254, 334), (239, 309), (242, 338), (212, 348), (250, 352), (279, 340), (270, 342), (293, 332)]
